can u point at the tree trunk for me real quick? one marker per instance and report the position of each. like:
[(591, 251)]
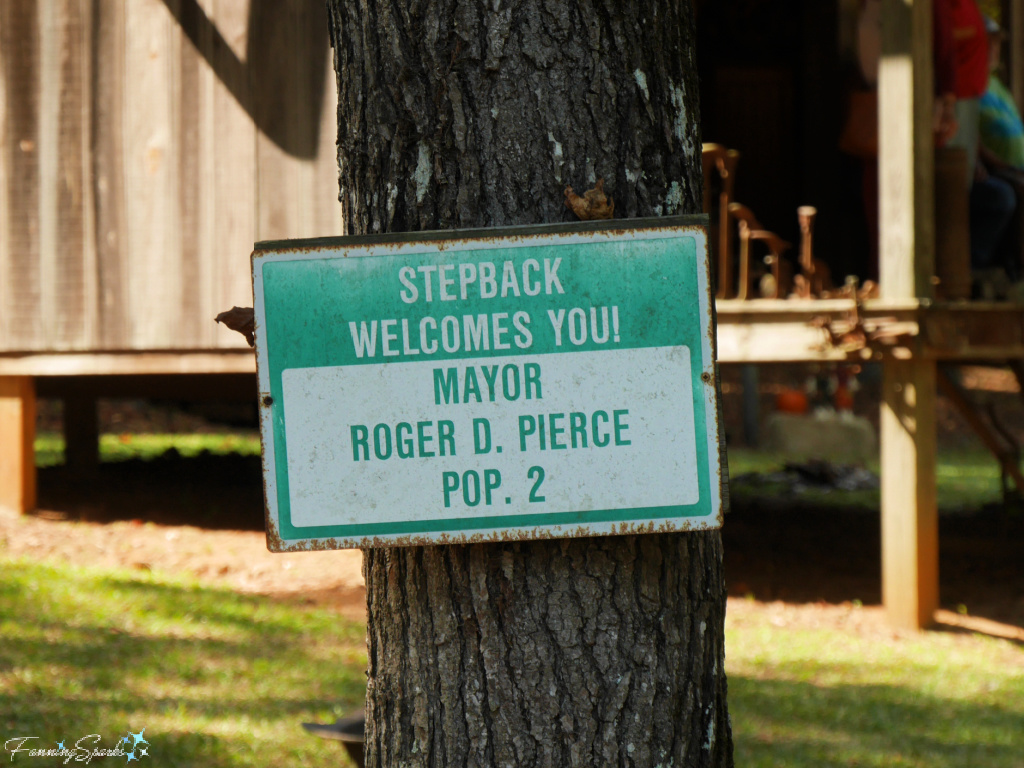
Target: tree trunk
[(579, 652)]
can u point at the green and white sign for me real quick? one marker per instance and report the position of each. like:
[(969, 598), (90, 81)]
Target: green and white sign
[(487, 385)]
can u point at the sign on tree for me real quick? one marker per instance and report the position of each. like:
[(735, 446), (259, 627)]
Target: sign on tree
[(487, 385)]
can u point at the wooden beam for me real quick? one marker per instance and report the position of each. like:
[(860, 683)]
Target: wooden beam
[(906, 151), (1014, 26), (910, 581), (1004, 453), (777, 342), (111, 363), (910, 532), (17, 443)]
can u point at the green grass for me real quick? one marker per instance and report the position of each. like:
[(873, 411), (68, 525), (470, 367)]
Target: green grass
[(219, 679), (967, 479), (215, 678), (824, 697), (50, 446)]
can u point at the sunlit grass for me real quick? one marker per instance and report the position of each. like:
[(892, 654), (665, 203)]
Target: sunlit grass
[(215, 678), (965, 480), (825, 697), (123, 447)]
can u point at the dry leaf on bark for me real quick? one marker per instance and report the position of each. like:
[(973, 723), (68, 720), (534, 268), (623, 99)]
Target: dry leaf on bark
[(594, 204)]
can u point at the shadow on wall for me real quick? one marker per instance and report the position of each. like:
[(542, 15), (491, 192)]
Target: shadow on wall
[(284, 69)]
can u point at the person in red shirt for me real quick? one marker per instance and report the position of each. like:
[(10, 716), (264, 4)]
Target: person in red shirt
[(970, 58), (970, 41), (992, 201)]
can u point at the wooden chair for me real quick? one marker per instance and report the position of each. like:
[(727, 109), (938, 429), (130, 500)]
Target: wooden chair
[(722, 162), (773, 284), (719, 164)]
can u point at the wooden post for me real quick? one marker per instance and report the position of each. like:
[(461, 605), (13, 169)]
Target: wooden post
[(81, 433), (910, 533), (17, 443), (1013, 24), (907, 265), (906, 174)]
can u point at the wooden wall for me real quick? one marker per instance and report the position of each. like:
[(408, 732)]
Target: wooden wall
[(144, 146)]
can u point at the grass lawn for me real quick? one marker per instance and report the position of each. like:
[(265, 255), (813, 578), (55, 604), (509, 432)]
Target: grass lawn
[(825, 697), (965, 479), (219, 679), (214, 677), (50, 446)]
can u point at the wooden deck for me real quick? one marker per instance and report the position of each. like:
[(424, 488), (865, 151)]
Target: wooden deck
[(772, 331), (910, 337)]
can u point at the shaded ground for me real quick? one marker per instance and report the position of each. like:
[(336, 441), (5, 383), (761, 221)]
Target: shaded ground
[(785, 550), (802, 556), (203, 516)]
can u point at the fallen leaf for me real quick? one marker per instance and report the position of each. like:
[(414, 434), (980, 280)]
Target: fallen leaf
[(594, 204)]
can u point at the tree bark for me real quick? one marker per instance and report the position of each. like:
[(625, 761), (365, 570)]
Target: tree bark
[(579, 652)]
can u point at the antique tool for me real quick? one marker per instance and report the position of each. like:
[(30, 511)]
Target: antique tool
[(816, 275)]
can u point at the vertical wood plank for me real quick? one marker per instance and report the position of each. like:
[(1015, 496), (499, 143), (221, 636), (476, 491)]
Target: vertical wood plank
[(66, 204), (107, 151), (277, 92), (330, 215), (297, 182), (186, 129), (234, 175), (5, 143), (17, 443), (20, 326), (50, 42), (87, 335), (151, 178), (208, 271), (906, 186), (910, 537)]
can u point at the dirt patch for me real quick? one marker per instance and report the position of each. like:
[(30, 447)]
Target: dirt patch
[(237, 560), (782, 551), (203, 517)]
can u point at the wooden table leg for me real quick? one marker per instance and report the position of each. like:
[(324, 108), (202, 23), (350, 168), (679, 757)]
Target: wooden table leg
[(17, 443)]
